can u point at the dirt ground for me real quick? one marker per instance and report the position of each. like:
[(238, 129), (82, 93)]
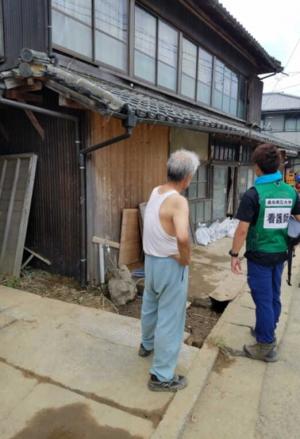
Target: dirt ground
[(199, 322)]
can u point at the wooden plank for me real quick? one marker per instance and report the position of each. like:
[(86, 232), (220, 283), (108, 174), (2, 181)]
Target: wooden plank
[(38, 256), (18, 172), (10, 210), (130, 244), (97, 240), (3, 173), (25, 215)]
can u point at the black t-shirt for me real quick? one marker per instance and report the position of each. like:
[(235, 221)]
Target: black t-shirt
[(248, 211)]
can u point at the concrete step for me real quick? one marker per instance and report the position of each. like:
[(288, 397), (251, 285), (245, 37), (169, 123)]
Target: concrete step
[(228, 406), (85, 351)]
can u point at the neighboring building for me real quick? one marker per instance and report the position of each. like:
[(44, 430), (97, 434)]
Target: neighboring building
[(281, 116), (119, 84)]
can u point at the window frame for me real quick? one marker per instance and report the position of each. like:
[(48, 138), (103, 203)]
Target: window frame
[(129, 73)]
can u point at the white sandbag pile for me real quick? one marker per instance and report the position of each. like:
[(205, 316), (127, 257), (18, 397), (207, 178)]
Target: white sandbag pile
[(217, 230)]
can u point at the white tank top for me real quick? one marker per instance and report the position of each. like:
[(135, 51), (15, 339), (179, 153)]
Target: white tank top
[(156, 241)]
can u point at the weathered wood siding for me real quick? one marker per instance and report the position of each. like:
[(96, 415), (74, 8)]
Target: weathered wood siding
[(25, 25), (121, 175), (255, 90)]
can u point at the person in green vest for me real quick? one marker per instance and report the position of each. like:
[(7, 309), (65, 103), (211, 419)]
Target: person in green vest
[(264, 213)]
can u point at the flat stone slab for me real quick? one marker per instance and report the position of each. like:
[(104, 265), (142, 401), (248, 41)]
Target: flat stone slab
[(83, 349), (231, 395), (38, 410)]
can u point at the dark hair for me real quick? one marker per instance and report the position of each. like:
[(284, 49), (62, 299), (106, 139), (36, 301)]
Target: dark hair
[(267, 158)]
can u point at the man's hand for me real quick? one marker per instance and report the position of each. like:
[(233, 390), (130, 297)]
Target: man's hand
[(181, 260), (236, 266)]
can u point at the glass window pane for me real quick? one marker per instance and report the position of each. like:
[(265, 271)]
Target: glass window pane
[(192, 191), (167, 56), (71, 25), (204, 76), (298, 124), (242, 98), (145, 45), (200, 212), (290, 123), (218, 85), (144, 66), (207, 210), (233, 94), (189, 60), (202, 173), (193, 212), (111, 17), (79, 9), (202, 190), (110, 51), (275, 123)]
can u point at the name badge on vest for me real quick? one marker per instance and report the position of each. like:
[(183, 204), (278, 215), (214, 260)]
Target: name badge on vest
[(277, 213)]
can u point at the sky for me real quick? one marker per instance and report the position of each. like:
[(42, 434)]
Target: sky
[(275, 24)]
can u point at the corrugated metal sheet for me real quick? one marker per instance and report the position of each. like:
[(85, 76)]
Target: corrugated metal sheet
[(54, 223), (280, 101), (25, 25)]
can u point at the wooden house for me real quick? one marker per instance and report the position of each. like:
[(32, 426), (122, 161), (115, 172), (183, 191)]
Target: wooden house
[(103, 90)]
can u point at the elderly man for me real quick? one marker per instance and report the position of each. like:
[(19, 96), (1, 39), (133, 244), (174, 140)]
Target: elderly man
[(264, 214), (167, 256)]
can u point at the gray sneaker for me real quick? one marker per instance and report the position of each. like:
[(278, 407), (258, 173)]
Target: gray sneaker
[(144, 352), (178, 382), (261, 351)]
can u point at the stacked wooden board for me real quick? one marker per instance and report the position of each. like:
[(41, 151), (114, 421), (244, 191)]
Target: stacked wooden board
[(130, 243), (17, 174)]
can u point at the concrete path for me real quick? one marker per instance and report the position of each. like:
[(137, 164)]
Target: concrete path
[(279, 411), (63, 366), (249, 399)]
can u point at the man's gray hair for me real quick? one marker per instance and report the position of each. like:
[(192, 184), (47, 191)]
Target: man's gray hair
[(182, 164)]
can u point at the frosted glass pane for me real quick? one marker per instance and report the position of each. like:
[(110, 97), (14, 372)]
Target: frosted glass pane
[(189, 58), (71, 34), (145, 32), (167, 44), (111, 17), (203, 93), (144, 66), (188, 85), (110, 51), (80, 9), (166, 76)]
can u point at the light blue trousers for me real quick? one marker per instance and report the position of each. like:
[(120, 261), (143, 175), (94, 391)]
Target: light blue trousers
[(163, 313)]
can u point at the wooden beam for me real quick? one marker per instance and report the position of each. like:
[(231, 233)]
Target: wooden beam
[(10, 209), (36, 124), (69, 103), (19, 95), (113, 244)]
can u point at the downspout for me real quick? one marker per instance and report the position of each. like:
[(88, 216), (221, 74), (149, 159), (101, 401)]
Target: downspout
[(49, 28), (82, 168), (129, 123)]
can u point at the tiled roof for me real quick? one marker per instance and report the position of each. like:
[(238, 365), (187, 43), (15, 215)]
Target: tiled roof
[(280, 101), (155, 108)]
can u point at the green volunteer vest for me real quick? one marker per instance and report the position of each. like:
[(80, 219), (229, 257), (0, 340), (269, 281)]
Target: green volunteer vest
[(269, 234)]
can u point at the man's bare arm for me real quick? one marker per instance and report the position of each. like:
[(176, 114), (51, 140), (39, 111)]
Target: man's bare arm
[(238, 242), (181, 224)]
